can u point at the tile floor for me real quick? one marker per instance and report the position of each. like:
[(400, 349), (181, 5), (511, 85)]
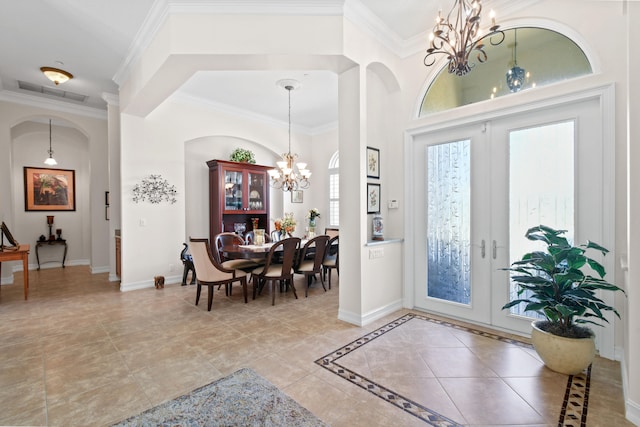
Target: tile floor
[(79, 352)]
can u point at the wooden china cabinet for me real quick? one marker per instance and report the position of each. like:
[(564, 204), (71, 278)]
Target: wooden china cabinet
[(238, 192)]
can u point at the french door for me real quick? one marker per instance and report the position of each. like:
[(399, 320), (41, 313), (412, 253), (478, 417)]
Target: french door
[(480, 186)]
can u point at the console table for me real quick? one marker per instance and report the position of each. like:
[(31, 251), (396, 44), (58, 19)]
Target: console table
[(20, 253), (51, 242)]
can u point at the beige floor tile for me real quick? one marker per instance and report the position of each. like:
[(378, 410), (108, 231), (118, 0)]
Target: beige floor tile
[(489, 401), (455, 362), (80, 352)]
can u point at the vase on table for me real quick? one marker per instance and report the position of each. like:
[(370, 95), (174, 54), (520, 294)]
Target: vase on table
[(258, 238), (312, 228)]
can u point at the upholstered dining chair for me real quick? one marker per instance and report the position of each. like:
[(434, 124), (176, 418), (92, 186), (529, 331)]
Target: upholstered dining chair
[(210, 273), (312, 265), (331, 232), (275, 272), (331, 258), (230, 239)]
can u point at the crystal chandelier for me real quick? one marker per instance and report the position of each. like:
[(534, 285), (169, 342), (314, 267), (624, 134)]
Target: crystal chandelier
[(459, 35), (515, 75), (285, 176)]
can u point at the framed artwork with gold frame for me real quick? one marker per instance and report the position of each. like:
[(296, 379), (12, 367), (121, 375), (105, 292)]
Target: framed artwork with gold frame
[(49, 189)]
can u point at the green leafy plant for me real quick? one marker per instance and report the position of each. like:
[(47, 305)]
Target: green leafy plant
[(242, 155), (556, 286)]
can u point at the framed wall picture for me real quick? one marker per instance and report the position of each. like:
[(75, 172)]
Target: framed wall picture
[(296, 196), (373, 198), (373, 162), (49, 189), (5, 232)]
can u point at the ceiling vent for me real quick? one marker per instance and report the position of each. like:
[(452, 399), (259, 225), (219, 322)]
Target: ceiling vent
[(52, 91)]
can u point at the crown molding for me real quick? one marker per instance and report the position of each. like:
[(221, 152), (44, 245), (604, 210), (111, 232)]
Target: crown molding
[(259, 7), (162, 9), (143, 38), (52, 104), (111, 99), (363, 18)]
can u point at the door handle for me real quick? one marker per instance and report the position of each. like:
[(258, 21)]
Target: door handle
[(483, 249), (494, 249)]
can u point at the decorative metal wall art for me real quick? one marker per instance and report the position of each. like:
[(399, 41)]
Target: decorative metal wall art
[(154, 189)]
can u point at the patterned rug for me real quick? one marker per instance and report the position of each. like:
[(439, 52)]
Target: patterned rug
[(574, 406), (243, 398)]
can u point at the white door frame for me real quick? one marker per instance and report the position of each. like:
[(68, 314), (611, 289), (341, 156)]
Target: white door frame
[(605, 94)]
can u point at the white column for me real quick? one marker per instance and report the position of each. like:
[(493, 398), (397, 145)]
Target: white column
[(632, 313), (353, 234), (113, 139)]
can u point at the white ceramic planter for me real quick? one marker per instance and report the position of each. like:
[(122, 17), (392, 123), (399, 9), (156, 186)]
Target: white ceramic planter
[(565, 355)]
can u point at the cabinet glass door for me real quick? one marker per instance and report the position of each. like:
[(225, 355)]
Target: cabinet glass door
[(233, 190), (256, 191)]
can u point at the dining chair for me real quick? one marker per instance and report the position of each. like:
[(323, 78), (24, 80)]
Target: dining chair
[(331, 258), (312, 265), (275, 272), (210, 273), (231, 239), (331, 232)]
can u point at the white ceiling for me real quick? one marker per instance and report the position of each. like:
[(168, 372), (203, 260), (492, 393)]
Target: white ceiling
[(91, 39)]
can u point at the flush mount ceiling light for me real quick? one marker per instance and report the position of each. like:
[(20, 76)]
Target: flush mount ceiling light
[(459, 36), (56, 75), (286, 177), (50, 160)]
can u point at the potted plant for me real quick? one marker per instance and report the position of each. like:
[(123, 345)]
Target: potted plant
[(243, 156), (553, 283)]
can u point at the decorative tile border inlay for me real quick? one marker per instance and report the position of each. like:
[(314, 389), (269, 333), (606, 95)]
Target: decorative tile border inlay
[(574, 405), (576, 400)]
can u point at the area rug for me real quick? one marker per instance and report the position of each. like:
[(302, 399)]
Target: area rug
[(243, 398), (574, 406)]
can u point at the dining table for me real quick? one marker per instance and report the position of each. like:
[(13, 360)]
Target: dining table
[(246, 251), (249, 251)]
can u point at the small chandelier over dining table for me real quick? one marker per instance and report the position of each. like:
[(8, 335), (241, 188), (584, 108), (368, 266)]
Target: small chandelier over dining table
[(286, 177), (459, 36)]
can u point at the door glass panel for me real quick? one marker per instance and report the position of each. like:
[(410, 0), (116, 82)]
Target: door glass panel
[(256, 191), (448, 221), (541, 188), (233, 190)]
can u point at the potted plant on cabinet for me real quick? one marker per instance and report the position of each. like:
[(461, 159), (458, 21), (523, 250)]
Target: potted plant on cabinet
[(243, 156), (554, 284)]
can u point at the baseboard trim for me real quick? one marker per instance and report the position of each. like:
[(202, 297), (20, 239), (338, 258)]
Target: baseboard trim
[(168, 280), (632, 409), (372, 316), (98, 270)]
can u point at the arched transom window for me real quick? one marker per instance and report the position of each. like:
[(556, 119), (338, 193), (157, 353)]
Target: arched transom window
[(528, 57)]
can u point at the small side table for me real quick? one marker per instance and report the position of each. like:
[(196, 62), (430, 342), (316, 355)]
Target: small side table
[(51, 242)]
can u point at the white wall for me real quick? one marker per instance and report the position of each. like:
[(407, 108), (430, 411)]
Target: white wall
[(610, 65), (30, 142), (86, 229), (350, 51), (177, 139)]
